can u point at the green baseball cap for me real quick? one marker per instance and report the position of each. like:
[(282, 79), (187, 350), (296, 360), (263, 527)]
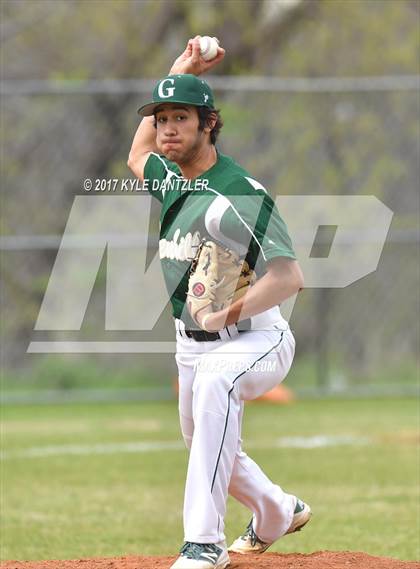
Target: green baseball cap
[(187, 89)]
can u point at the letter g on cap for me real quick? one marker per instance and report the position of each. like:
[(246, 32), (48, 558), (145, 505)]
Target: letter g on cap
[(164, 91)]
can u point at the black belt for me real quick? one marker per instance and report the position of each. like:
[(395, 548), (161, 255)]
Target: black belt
[(203, 336)]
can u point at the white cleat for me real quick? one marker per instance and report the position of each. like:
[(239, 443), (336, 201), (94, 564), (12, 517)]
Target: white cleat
[(301, 516), (202, 556), (249, 542)]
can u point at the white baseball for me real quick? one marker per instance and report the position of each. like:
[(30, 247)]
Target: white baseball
[(208, 47)]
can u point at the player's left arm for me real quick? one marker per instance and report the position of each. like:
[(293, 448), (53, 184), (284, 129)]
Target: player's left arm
[(283, 279), (282, 276)]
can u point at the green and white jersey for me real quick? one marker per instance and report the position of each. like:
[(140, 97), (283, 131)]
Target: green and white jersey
[(223, 204)]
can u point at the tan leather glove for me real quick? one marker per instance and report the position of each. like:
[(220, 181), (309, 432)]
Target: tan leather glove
[(218, 277)]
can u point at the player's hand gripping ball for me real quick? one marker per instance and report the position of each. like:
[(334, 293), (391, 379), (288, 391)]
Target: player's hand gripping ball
[(208, 47)]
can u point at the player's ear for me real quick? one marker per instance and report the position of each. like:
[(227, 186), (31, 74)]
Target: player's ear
[(210, 122)]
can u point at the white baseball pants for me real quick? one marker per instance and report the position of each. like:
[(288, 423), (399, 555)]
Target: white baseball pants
[(215, 378)]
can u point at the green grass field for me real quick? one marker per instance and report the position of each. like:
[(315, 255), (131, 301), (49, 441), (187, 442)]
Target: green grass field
[(76, 482)]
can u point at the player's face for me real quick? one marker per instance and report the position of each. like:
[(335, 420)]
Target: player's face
[(178, 136)]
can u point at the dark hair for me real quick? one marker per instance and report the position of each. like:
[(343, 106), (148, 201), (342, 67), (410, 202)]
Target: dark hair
[(204, 114)]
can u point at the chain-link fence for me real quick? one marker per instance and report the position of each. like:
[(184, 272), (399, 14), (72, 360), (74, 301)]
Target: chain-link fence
[(306, 137)]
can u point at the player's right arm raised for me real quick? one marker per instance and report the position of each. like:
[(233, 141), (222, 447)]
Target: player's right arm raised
[(144, 141)]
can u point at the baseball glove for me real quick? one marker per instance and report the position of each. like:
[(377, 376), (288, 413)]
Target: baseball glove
[(218, 277)]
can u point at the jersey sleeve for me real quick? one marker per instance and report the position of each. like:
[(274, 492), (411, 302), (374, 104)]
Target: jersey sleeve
[(157, 171), (253, 220)]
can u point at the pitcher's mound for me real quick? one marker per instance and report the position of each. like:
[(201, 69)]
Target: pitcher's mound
[(317, 560)]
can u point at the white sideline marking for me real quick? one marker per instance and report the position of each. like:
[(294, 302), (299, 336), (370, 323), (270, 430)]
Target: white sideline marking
[(318, 441), (104, 448)]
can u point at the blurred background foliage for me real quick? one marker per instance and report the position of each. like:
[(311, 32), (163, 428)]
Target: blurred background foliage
[(339, 142)]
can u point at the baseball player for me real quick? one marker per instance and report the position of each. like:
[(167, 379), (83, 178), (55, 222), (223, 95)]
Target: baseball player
[(216, 218)]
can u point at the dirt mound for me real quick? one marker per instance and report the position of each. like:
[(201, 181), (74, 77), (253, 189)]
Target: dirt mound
[(317, 560)]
